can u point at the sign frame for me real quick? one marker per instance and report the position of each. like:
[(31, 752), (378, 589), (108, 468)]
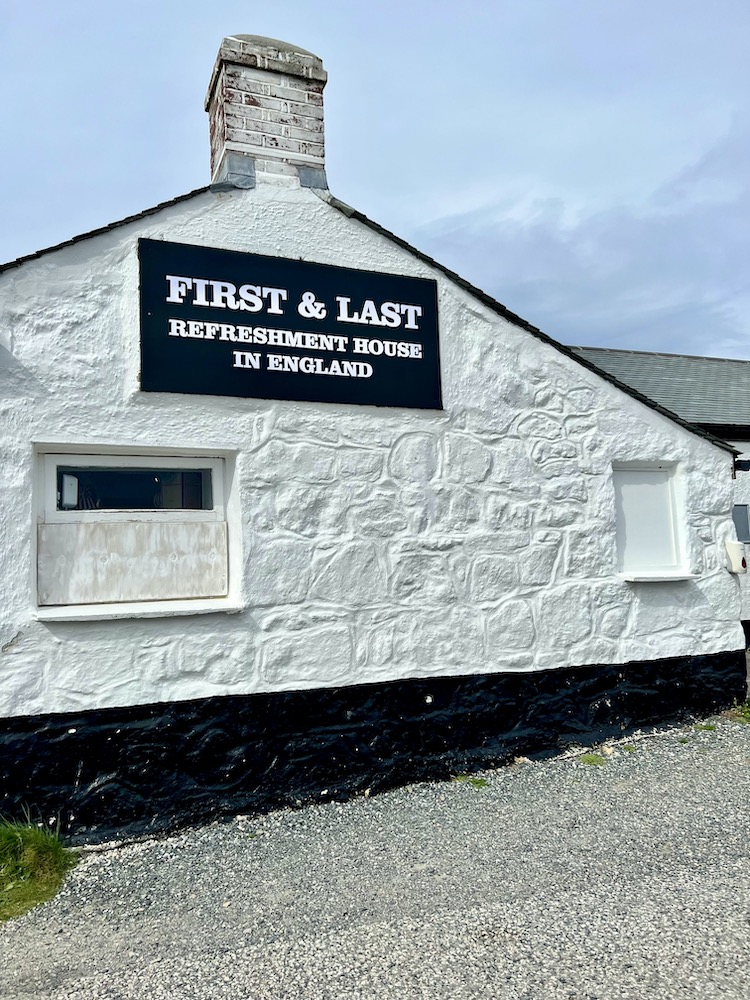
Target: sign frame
[(229, 323)]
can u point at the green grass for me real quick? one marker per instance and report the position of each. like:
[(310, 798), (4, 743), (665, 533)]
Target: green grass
[(594, 759), (33, 864), (740, 712), (474, 782), (704, 727)]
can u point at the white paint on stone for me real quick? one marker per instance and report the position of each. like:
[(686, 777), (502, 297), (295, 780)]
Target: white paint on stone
[(742, 495), (366, 543)]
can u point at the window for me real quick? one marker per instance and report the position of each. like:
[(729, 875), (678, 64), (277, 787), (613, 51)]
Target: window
[(741, 521), (93, 488), (121, 528), (648, 539)]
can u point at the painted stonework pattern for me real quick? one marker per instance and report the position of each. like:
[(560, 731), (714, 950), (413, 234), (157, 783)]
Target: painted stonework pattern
[(366, 544), (117, 772)]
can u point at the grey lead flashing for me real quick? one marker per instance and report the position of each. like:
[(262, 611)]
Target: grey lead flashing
[(237, 170), (312, 177), (501, 310)]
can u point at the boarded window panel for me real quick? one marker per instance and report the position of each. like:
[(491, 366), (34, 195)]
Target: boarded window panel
[(646, 536), (95, 563)]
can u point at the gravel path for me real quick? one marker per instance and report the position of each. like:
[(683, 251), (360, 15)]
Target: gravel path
[(554, 880)]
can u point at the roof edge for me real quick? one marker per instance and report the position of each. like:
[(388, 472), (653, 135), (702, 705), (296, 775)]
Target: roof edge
[(501, 310), (483, 297), (103, 229)]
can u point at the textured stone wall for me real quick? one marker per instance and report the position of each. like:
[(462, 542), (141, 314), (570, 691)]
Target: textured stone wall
[(374, 543), (742, 495), (147, 768)]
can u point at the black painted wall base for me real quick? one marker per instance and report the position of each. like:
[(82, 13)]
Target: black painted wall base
[(131, 771)]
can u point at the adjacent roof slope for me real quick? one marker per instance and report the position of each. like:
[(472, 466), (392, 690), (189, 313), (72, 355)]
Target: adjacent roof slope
[(497, 307), (701, 390)]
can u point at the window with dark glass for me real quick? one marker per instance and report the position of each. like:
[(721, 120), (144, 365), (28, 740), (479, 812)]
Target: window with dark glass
[(102, 488)]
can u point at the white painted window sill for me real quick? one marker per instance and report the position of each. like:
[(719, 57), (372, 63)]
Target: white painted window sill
[(141, 609), (658, 577)]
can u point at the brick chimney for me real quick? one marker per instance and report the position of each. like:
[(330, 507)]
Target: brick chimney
[(265, 107)]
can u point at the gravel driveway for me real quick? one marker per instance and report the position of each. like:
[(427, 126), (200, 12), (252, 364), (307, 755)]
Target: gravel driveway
[(555, 879)]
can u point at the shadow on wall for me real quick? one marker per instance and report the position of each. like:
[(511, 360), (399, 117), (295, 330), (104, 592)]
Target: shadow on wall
[(16, 381), (662, 607)]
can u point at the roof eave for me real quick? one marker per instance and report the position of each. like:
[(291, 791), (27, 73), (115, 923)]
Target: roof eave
[(103, 229), (488, 300), (501, 310)]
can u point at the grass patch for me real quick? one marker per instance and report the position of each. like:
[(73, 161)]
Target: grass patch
[(628, 748), (469, 780), (33, 864), (739, 712), (705, 727), (593, 759)]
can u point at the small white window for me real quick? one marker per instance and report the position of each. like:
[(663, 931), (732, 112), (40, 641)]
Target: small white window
[(741, 521), (648, 537), (126, 529)]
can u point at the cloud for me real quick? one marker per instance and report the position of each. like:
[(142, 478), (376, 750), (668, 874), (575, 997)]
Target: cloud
[(668, 274)]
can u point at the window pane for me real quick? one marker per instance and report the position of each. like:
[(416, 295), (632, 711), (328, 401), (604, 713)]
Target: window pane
[(741, 522), (645, 531), (98, 488)]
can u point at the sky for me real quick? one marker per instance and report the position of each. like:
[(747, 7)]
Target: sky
[(585, 162)]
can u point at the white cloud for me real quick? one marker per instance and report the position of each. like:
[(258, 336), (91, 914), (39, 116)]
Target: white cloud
[(668, 274)]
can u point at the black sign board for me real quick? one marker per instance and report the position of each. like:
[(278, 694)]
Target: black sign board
[(223, 323)]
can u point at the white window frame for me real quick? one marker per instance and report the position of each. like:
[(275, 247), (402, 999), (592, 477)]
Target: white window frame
[(226, 508), (54, 516), (668, 572)]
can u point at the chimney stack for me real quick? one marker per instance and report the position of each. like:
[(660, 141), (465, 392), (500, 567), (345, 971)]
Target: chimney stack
[(265, 107)]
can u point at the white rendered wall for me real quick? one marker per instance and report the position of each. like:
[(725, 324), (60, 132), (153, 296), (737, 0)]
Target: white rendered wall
[(376, 543), (742, 495)]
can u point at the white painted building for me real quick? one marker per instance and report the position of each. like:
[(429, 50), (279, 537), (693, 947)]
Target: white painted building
[(713, 394), (543, 527)]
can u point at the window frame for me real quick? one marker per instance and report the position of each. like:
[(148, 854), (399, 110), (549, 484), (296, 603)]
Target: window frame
[(678, 570), (51, 461), (226, 507)]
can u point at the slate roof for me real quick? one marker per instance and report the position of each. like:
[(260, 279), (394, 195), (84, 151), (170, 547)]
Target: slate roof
[(574, 353), (701, 390)]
